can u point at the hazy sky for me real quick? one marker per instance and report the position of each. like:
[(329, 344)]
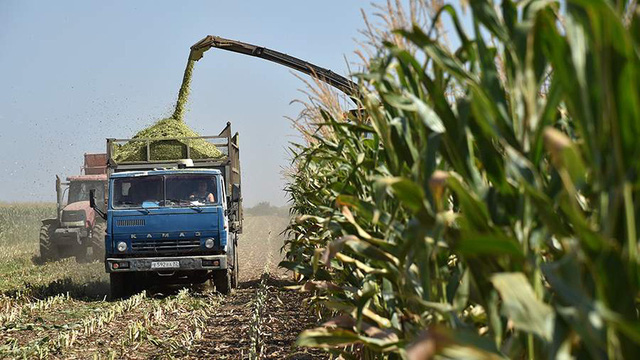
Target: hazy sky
[(73, 73)]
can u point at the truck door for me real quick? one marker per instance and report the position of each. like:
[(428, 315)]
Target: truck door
[(224, 203)]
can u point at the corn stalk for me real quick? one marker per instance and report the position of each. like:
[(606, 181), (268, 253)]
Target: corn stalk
[(497, 223)]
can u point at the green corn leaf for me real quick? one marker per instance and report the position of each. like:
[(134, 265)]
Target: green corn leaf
[(476, 212), (365, 249), (407, 191), (495, 243), (520, 305), (323, 337)]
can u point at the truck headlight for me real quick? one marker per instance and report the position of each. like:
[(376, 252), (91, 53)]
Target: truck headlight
[(122, 246), (209, 243)]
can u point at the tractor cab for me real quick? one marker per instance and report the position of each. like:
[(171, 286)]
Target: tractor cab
[(76, 230), (75, 211)]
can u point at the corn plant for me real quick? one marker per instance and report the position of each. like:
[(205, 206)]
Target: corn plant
[(19, 224), (484, 205), (257, 316), (11, 309)]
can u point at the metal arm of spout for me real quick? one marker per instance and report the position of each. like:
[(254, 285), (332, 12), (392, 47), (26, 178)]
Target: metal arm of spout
[(339, 82)]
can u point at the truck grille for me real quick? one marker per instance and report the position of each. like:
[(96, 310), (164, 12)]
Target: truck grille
[(134, 222), (165, 245)]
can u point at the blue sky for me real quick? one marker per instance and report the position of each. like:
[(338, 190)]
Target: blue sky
[(73, 73)]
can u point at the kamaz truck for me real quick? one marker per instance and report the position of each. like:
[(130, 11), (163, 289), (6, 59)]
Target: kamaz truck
[(76, 230), (172, 220)]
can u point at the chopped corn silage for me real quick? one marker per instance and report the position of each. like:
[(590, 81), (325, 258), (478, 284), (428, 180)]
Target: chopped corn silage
[(173, 127), (185, 89), (166, 149)]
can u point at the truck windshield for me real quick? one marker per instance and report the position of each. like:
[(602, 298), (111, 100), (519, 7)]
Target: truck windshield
[(190, 190), (145, 191), (167, 190)]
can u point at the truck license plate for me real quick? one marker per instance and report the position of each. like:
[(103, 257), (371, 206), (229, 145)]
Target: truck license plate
[(165, 264)]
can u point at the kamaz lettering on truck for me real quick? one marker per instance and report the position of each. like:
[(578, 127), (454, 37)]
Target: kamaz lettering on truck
[(173, 221)]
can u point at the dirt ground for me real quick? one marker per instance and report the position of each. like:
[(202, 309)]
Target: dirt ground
[(59, 310)]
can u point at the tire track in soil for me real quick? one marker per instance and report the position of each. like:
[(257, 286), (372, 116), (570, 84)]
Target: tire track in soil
[(283, 315), (232, 336), (228, 337), (285, 318)]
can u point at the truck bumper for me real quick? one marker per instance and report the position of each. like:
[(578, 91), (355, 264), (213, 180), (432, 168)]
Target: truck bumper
[(177, 263)]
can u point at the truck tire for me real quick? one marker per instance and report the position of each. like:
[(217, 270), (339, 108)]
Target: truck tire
[(122, 285), (96, 241), (48, 250), (222, 281)]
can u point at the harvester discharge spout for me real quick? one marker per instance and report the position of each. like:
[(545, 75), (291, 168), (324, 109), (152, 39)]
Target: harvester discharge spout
[(337, 81)]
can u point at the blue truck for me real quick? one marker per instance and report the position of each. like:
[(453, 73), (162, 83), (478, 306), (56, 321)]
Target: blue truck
[(173, 221)]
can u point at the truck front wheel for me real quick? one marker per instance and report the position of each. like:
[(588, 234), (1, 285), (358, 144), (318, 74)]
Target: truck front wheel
[(222, 281), (97, 241), (122, 285)]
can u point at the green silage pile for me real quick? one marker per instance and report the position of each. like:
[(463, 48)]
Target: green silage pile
[(172, 127), (166, 149)]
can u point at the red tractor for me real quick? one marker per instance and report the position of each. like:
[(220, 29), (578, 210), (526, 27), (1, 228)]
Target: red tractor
[(76, 230)]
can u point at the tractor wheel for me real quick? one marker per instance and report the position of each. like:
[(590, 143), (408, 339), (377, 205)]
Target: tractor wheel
[(222, 281), (97, 241), (122, 285), (48, 250), (81, 255)]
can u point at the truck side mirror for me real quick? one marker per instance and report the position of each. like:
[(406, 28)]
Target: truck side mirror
[(92, 198), (92, 204), (235, 193)]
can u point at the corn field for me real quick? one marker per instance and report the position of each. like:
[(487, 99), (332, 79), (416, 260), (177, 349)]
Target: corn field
[(482, 202), (61, 309)]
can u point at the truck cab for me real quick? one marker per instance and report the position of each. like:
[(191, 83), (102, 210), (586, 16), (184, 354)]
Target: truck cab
[(173, 221)]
